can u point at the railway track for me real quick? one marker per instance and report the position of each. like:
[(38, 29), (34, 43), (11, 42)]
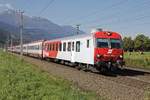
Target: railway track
[(124, 85)]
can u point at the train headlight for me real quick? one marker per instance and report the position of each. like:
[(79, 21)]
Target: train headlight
[(108, 33), (99, 56), (121, 56)]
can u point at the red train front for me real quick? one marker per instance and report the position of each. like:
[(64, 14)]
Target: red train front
[(108, 52)]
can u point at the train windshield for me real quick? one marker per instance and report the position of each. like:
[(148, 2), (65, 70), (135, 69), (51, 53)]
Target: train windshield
[(102, 43), (116, 43), (108, 43)]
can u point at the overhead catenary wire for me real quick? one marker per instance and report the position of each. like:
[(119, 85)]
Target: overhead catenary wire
[(138, 18), (110, 16), (97, 11), (119, 21), (133, 18), (46, 7)]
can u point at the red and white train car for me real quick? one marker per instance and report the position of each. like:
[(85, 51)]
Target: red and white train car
[(100, 49), (34, 49), (76, 49)]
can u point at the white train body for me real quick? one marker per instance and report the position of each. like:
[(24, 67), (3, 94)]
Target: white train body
[(78, 51)]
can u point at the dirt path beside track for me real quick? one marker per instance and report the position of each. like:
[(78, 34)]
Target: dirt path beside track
[(126, 85)]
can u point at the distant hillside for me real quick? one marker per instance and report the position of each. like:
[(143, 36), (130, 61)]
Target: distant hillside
[(35, 28)]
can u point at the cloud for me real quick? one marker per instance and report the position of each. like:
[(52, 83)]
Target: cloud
[(6, 6), (9, 6)]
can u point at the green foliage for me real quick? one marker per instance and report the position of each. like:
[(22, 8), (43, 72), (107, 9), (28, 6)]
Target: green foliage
[(128, 43), (141, 42), (147, 43), (3, 36), (135, 59), (23, 81)]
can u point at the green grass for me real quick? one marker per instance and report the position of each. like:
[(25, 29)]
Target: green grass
[(135, 59), (23, 81)]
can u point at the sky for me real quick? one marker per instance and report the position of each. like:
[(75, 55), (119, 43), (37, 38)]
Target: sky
[(128, 17)]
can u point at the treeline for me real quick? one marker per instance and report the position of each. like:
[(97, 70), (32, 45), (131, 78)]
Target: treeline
[(139, 43), (5, 38)]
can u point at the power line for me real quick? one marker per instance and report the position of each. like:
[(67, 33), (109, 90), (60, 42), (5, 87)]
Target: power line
[(100, 11), (129, 20), (110, 16), (126, 20), (46, 7)]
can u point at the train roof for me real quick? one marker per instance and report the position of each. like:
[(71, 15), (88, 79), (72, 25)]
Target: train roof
[(84, 35), (72, 37)]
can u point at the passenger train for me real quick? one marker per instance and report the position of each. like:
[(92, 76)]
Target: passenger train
[(99, 49)]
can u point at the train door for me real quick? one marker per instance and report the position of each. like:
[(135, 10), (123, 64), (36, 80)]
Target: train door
[(73, 52)]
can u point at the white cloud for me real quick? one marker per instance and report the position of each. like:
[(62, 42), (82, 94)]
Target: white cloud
[(9, 6), (6, 6)]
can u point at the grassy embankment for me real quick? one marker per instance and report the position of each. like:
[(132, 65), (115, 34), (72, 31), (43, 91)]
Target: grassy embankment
[(23, 81), (135, 59)]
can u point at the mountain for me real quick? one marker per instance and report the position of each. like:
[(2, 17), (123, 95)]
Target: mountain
[(35, 28)]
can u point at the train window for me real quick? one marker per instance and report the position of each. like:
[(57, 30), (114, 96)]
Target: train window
[(40, 47), (46, 47), (24, 47), (88, 43), (53, 47), (72, 46), (56, 46), (102, 43), (69, 46), (50, 47), (64, 46), (37, 47), (34, 47), (78, 46), (60, 46), (116, 43)]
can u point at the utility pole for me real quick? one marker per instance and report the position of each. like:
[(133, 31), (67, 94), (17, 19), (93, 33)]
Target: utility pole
[(21, 36), (11, 42), (7, 42), (21, 33), (78, 26)]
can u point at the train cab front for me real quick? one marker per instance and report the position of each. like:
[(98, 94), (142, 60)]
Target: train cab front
[(108, 53)]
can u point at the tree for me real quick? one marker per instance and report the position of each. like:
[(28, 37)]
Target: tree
[(128, 44), (147, 44), (142, 42), (3, 36)]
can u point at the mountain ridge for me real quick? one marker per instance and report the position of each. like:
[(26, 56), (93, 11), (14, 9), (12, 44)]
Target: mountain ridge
[(35, 28)]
